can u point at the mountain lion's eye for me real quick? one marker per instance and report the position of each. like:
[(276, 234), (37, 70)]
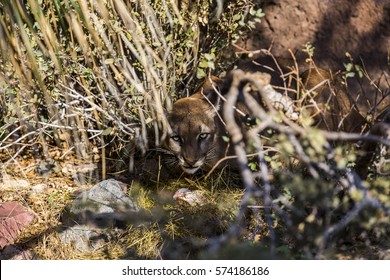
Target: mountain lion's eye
[(175, 138), (203, 136)]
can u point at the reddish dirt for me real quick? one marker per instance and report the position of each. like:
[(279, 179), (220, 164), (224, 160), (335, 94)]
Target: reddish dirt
[(360, 27)]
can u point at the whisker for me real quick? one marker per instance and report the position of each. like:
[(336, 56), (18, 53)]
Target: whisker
[(165, 151)]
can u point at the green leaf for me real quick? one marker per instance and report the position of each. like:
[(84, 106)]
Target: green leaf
[(200, 73), (236, 17), (252, 166), (275, 165), (288, 147), (359, 70), (211, 65), (203, 64), (259, 13), (107, 131), (209, 56), (348, 66), (317, 140)]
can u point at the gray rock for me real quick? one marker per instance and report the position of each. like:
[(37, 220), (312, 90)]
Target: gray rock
[(96, 215), (85, 237), (105, 197)]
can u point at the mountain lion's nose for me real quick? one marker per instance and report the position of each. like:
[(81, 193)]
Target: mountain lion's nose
[(190, 161)]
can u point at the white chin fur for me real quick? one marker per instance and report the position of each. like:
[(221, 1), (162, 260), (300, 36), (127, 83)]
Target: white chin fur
[(190, 170)]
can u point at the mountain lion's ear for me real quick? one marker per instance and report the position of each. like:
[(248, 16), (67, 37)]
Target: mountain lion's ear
[(211, 90)]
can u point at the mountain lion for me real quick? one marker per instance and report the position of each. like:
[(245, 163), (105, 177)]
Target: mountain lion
[(197, 138)]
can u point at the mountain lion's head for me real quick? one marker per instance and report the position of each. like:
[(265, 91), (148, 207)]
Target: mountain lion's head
[(195, 139)]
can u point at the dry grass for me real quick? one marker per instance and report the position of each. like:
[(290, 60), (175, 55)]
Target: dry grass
[(171, 223)]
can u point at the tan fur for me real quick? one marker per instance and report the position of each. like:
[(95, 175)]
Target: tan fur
[(328, 102)]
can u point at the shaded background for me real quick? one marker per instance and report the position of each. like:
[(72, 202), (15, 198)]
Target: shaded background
[(360, 27)]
